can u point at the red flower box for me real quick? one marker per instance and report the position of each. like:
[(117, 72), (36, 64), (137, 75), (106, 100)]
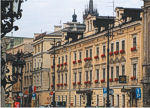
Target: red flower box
[(102, 81), (96, 57), (116, 52), (79, 83), (58, 65), (103, 55), (58, 85), (52, 66), (133, 49), (96, 81), (85, 82), (79, 61), (65, 84), (74, 83), (110, 53), (52, 85), (61, 84), (74, 62), (122, 51), (85, 59), (61, 64), (65, 63), (116, 79), (89, 82), (133, 77), (89, 58), (110, 80)]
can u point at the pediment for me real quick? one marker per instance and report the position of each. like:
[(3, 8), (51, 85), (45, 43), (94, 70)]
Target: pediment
[(122, 59), (65, 69), (111, 61), (117, 60), (88, 64)]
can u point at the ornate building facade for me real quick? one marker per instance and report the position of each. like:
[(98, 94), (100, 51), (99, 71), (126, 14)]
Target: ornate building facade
[(81, 62)]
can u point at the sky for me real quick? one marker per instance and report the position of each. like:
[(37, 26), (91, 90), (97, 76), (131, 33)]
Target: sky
[(41, 15)]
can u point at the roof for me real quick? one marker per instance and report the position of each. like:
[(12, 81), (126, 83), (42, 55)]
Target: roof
[(55, 33)]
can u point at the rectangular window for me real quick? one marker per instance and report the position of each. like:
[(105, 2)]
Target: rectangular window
[(58, 98), (104, 101), (58, 60), (117, 71), (62, 59), (59, 78), (62, 79), (75, 77), (112, 100), (123, 70), (97, 51), (66, 100), (134, 70), (80, 55), (123, 45), (117, 100), (38, 48), (62, 98), (117, 46), (91, 53), (75, 100), (66, 58), (86, 53), (134, 41), (112, 47), (80, 100), (97, 100), (91, 75), (66, 78), (75, 56), (104, 49), (79, 76), (123, 100), (104, 73), (86, 75), (112, 72), (97, 74)]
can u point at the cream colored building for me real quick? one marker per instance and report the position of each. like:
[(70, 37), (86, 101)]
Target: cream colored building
[(81, 62)]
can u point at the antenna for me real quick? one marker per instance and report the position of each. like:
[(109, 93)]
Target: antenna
[(60, 22)]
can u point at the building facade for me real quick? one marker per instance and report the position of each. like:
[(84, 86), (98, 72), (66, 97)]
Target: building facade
[(81, 62)]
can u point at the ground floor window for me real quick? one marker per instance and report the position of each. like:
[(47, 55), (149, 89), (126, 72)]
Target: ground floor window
[(123, 100), (97, 100)]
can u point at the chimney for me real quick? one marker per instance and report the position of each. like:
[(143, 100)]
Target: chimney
[(57, 28)]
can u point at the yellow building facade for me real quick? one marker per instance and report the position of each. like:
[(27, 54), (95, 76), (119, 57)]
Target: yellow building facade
[(81, 65)]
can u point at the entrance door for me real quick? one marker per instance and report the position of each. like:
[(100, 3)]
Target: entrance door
[(89, 97)]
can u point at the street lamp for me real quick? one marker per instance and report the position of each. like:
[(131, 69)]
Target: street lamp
[(10, 11)]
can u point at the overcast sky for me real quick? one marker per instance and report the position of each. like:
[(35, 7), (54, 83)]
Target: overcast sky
[(41, 15)]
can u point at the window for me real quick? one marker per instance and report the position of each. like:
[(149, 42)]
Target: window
[(117, 71), (104, 101), (86, 75), (80, 100), (117, 101), (58, 98), (75, 56), (58, 60), (97, 74), (91, 53), (59, 78), (62, 59), (112, 47), (134, 41), (66, 78), (123, 70), (123, 100), (104, 73), (62, 98), (80, 55), (66, 58), (117, 46), (123, 45), (97, 100), (104, 49), (91, 75), (134, 70), (112, 72), (112, 100), (97, 51), (66, 99), (75, 77), (86, 53), (39, 48), (75, 100), (62, 79), (79, 76)]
